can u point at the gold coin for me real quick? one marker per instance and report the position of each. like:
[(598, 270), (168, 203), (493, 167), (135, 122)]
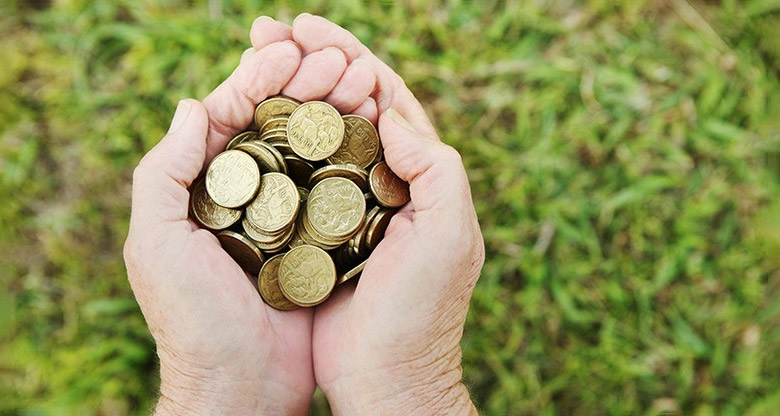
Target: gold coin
[(357, 175), (274, 131), (359, 239), (260, 237), (273, 107), (242, 250), (206, 212), (283, 146), (242, 137), (355, 271), (299, 169), (275, 138), (267, 242), (388, 189), (264, 158), (315, 130), (278, 156), (376, 229), (316, 238), (274, 122), (268, 285), (232, 179), (276, 204), (307, 275), (360, 145), (304, 194), (336, 208)]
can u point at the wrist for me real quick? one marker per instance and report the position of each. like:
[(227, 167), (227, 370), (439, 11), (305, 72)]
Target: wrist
[(382, 394), (224, 392)]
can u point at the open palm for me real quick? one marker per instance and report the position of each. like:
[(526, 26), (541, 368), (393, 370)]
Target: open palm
[(391, 340), (213, 331)]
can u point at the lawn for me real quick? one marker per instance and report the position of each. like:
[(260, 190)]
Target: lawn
[(624, 158)]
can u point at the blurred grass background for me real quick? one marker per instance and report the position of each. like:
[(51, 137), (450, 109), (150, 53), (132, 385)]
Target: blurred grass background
[(624, 157)]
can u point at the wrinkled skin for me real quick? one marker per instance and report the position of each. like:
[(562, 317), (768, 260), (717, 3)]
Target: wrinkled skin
[(388, 343)]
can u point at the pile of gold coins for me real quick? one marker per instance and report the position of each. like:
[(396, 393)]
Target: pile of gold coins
[(300, 202)]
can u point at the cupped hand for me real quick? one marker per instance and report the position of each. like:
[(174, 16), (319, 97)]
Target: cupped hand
[(221, 349), (391, 342)]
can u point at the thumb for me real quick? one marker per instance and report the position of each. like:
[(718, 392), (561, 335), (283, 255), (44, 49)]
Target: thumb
[(161, 178), (434, 170)]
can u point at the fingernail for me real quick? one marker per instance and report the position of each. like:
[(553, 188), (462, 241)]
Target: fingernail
[(182, 112), (399, 119)]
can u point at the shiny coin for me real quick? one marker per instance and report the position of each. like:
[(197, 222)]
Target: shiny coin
[(355, 271), (242, 137), (265, 159), (360, 145), (336, 208), (276, 204), (207, 213), (307, 275), (242, 250), (275, 122), (304, 194), (376, 229), (268, 285), (357, 175), (268, 243), (232, 179), (274, 107), (315, 130), (388, 189)]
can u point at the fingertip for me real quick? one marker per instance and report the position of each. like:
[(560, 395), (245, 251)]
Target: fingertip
[(368, 110), (265, 30)]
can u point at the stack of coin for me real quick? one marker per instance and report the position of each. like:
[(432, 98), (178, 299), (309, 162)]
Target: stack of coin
[(308, 191)]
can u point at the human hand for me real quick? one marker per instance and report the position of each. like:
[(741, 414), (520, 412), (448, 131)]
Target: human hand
[(221, 349), (391, 343)]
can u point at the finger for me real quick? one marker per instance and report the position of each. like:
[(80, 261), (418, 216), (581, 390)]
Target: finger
[(266, 31), (161, 179), (313, 33), (353, 88), (231, 105), (246, 54), (368, 110), (318, 74), (436, 176)]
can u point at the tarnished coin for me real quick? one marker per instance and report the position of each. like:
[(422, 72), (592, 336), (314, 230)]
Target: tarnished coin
[(307, 275), (268, 285), (356, 174), (242, 250), (336, 207), (315, 130), (272, 107), (207, 213), (242, 137), (376, 229), (276, 204), (232, 179), (352, 272), (388, 189), (360, 145)]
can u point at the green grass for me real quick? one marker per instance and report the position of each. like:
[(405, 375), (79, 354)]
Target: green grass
[(624, 158)]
